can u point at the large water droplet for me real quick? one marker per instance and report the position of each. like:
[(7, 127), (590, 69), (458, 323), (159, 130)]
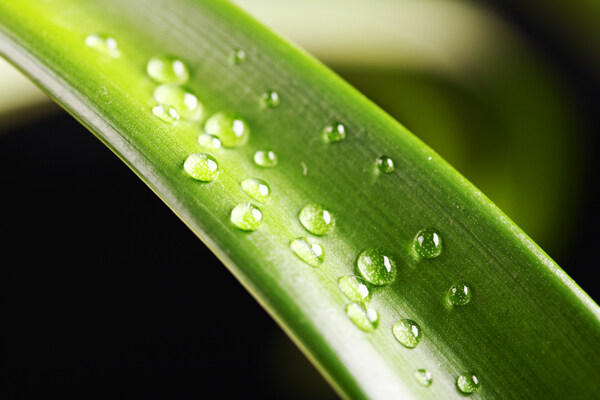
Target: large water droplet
[(202, 167), (270, 98), (258, 189), (103, 43), (334, 133), (246, 217), (209, 141), (423, 377), (237, 56), (468, 383), (265, 158), (185, 103), (166, 113), (376, 267), (308, 250), (229, 127), (407, 332), (354, 288), (363, 316), (428, 243), (316, 219), (459, 294), (385, 164), (167, 69)]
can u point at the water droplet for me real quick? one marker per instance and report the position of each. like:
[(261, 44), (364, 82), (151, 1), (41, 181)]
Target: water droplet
[(354, 288), (363, 316), (209, 141), (459, 294), (202, 167), (185, 103), (167, 69), (265, 158), (407, 332), (308, 250), (428, 243), (229, 127), (468, 383), (246, 217), (103, 43), (258, 189), (237, 56), (166, 113), (385, 164), (423, 377), (376, 267), (316, 219), (334, 133), (270, 98)]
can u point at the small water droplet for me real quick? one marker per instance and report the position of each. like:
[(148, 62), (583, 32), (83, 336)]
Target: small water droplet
[(308, 250), (166, 113), (423, 377), (317, 219), (182, 100), (428, 243), (334, 133), (167, 69), (459, 294), (468, 383), (229, 127), (376, 267), (265, 158), (407, 332), (246, 217), (103, 43), (258, 189), (237, 56), (363, 316), (270, 98), (202, 167), (385, 164), (209, 141), (354, 288)]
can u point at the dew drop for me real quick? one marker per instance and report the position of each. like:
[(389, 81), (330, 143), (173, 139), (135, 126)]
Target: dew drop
[(385, 164), (334, 133), (258, 189), (459, 294), (428, 243), (166, 113), (316, 219), (103, 43), (229, 127), (185, 103), (270, 98), (363, 316), (308, 250), (202, 167), (423, 377), (167, 69), (376, 267), (209, 141), (237, 56), (246, 217), (407, 332), (468, 383), (265, 158), (355, 288)]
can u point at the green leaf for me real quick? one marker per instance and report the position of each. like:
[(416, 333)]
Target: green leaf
[(488, 310)]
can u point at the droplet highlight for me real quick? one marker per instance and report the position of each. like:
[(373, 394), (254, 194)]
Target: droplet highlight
[(407, 332), (265, 158), (423, 377), (229, 127), (385, 164), (355, 288), (166, 113), (376, 267), (428, 243), (258, 189), (185, 102), (270, 98), (202, 167), (363, 316), (459, 294), (246, 217), (167, 69), (209, 141), (334, 133), (237, 56), (317, 219), (308, 250), (468, 383), (104, 44)]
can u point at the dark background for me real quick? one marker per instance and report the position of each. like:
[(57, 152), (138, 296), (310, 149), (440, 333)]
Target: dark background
[(136, 306)]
